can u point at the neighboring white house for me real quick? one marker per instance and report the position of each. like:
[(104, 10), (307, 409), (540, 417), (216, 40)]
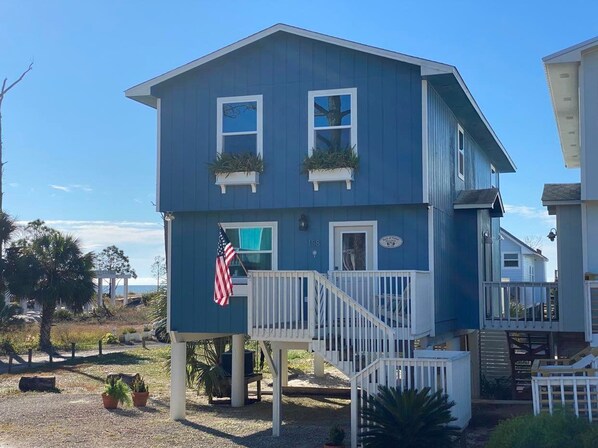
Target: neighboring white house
[(519, 261)]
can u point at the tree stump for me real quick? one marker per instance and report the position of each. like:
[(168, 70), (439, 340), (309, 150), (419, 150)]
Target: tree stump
[(37, 383)]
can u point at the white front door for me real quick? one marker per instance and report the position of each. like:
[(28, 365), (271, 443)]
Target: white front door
[(353, 246)]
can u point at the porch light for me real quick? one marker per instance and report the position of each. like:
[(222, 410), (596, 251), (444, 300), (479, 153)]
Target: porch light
[(169, 216), (303, 223), (552, 234)]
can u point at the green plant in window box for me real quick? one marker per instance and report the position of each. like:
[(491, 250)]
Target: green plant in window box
[(227, 163), (330, 159)]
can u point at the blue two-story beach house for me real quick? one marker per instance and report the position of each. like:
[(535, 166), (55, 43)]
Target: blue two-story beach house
[(359, 263)]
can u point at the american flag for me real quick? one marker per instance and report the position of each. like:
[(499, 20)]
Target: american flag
[(223, 283)]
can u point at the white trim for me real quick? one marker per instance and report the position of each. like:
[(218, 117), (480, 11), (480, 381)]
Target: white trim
[(425, 136), (333, 224), (259, 132), (311, 95), (272, 224), (481, 265), (169, 275), (459, 152), (584, 237), (159, 150), (511, 267), (142, 92), (431, 266)]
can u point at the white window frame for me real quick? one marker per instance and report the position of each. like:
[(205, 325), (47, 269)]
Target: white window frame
[(460, 153), (312, 94), (511, 267), (272, 224), (493, 175), (259, 132)]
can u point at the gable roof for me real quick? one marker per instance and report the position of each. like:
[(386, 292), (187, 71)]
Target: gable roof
[(556, 194), (446, 75), (530, 251), (478, 199), (562, 74)]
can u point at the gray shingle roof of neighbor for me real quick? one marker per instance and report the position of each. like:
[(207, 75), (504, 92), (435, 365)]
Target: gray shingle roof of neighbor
[(483, 198), (554, 193)]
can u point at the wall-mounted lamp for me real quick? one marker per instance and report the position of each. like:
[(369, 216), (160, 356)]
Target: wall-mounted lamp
[(487, 237), (168, 216), (303, 223), (552, 234)]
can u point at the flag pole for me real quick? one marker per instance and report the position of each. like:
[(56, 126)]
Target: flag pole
[(236, 254)]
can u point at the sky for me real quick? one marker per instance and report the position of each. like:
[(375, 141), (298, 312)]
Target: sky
[(82, 157)]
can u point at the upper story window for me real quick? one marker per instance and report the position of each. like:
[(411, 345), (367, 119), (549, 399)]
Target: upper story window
[(332, 119), (256, 245), (460, 152), (510, 260), (493, 177), (239, 124)]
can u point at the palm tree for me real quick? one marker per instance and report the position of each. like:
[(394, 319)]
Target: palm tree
[(409, 419), (7, 228), (49, 267)]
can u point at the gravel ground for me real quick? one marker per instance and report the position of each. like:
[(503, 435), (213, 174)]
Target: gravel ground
[(80, 420)]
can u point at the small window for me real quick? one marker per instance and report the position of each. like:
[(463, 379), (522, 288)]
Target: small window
[(239, 124), (493, 177), (255, 243), (510, 260), (460, 153), (332, 119)]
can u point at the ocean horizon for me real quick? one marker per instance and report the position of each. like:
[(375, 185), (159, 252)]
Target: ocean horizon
[(136, 289)]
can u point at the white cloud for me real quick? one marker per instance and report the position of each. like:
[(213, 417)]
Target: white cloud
[(532, 213), (60, 187)]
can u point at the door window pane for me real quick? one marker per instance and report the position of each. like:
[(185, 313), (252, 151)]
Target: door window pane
[(354, 251)]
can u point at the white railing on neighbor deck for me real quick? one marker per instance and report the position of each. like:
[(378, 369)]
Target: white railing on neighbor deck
[(402, 299), (591, 311), (448, 371), (573, 393), (520, 305)]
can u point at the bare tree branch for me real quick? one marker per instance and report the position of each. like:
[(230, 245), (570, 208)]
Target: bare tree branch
[(5, 90)]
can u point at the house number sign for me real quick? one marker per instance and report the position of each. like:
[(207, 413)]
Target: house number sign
[(391, 241)]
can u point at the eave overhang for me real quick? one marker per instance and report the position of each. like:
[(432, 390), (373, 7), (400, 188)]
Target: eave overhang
[(488, 198)]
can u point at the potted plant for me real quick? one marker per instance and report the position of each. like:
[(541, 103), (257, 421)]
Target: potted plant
[(331, 165), (115, 392), (237, 169), (336, 436), (140, 392)]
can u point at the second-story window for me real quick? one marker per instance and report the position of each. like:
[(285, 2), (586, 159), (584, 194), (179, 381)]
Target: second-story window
[(460, 153), (332, 119), (239, 124)]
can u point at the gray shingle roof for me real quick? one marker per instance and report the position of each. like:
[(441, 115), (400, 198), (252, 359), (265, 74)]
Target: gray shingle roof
[(561, 193), (476, 199)]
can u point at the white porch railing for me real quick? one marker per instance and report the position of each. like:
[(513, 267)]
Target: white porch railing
[(573, 393), (448, 371), (520, 305), (591, 311), (401, 299), (305, 306)]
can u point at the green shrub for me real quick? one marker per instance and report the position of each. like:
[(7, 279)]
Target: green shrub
[(560, 430), (589, 439), (328, 159), (7, 346), (496, 388), (62, 315), (336, 436), (109, 338), (407, 419), (245, 162), (129, 330)]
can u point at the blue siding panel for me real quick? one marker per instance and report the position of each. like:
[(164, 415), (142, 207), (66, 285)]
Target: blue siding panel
[(284, 68), (194, 237)]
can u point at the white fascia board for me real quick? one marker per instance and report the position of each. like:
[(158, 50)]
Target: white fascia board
[(570, 54), (142, 92), (564, 95), (459, 79)]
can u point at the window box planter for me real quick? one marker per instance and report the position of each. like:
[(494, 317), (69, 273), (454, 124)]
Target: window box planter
[(251, 178), (334, 175)]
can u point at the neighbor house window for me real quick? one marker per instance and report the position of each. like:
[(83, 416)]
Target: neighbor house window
[(460, 153), (255, 243), (239, 124), (510, 260), (332, 119)]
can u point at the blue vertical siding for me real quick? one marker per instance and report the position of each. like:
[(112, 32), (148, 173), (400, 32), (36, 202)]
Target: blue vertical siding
[(194, 237), (284, 68)]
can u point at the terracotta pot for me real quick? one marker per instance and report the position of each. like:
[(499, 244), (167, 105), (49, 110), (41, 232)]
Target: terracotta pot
[(109, 401), (330, 445), (140, 399)]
